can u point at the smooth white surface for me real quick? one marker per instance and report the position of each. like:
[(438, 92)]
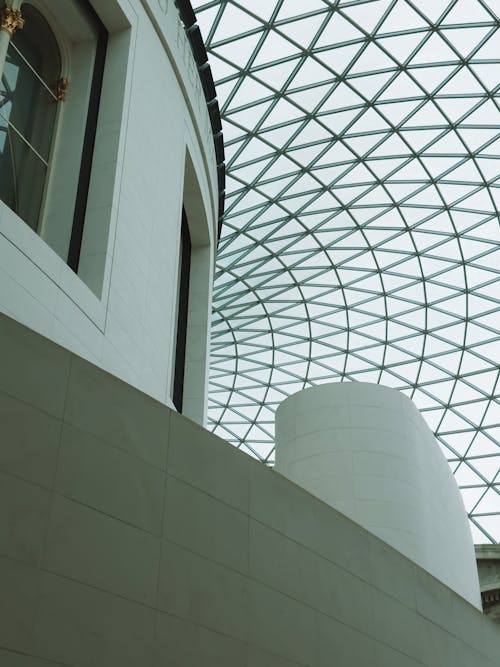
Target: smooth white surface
[(130, 536), (365, 450), (120, 311)]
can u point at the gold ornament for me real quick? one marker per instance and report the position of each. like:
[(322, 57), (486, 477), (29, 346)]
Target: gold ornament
[(60, 88), (10, 19)]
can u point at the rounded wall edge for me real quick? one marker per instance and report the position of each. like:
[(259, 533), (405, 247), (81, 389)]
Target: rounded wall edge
[(126, 326), (175, 25), (365, 450)]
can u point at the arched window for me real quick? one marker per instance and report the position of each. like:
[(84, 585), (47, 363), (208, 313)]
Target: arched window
[(31, 88), (52, 56)]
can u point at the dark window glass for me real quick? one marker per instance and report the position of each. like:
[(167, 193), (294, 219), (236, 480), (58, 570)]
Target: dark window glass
[(28, 108), (182, 315)]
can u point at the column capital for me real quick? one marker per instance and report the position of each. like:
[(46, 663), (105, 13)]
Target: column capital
[(10, 19)]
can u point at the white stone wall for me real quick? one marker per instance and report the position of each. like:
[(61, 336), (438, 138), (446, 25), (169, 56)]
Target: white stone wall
[(132, 537), (120, 312), (366, 450)]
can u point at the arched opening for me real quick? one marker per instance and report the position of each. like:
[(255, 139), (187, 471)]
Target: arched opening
[(31, 86), (51, 80)]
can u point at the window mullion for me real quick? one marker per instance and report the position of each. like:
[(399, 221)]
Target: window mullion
[(37, 76), (20, 135)]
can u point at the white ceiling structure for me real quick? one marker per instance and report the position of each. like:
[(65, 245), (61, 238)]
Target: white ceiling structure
[(361, 234)]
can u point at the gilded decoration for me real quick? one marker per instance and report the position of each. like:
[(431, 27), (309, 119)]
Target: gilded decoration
[(60, 88), (10, 19)]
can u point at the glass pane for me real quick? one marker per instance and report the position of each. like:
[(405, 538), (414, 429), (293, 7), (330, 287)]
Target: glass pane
[(22, 175), (28, 109), (27, 104), (38, 45), (7, 181)]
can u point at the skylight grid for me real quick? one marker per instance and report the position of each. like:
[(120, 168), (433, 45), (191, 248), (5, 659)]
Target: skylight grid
[(361, 235)]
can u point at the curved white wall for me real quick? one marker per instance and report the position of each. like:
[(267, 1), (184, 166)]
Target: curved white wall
[(365, 450), (154, 148), (195, 554)]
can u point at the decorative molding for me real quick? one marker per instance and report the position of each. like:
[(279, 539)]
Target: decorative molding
[(60, 88), (490, 598), (10, 19)]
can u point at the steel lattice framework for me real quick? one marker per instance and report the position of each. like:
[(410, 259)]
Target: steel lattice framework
[(361, 235)]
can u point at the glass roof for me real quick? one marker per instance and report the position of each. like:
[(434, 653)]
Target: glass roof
[(361, 234)]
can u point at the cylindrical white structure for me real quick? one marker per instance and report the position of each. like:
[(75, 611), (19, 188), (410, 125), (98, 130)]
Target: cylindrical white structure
[(366, 450)]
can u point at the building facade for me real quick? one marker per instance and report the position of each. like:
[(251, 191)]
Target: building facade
[(129, 534), (103, 155), (488, 567)]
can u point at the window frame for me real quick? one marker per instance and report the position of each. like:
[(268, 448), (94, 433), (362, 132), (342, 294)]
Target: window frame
[(83, 187), (63, 65), (61, 226)]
